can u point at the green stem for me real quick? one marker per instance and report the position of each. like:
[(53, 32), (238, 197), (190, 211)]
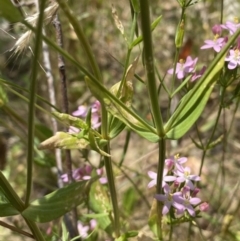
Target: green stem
[(32, 100), (125, 147), (149, 61), (112, 189), (161, 161), (81, 37)]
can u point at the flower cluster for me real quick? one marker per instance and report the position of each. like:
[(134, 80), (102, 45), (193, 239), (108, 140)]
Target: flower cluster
[(218, 42), (82, 112), (179, 188), (84, 173), (184, 68)]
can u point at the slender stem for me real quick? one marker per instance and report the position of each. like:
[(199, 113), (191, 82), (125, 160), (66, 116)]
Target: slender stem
[(72, 226), (104, 127), (161, 160), (125, 147), (112, 189), (221, 11), (15, 229), (32, 100), (149, 61), (81, 36)]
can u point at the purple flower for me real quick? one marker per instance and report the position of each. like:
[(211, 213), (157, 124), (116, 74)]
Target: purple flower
[(153, 176), (231, 27), (233, 58), (84, 173), (204, 207), (216, 44), (217, 29), (186, 203), (169, 199), (84, 229), (184, 68), (186, 177), (195, 192), (82, 112), (196, 75), (175, 162)]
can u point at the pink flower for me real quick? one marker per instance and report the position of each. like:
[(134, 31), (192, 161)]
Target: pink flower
[(175, 162), (84, 229), (204, 207), (231, 27), (184, 68), (216, 44), (217, 29), (233, 58), (153, 176), (169, 199), (95, 109), (186, 203), (84, 173), (196, 75), (186, 177)]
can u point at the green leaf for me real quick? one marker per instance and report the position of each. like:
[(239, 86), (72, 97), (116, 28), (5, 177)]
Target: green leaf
[(69, 120), (125, 236), (130, 121), (124, 113), (64, 140), (140, 38), (100, 204), (152, 221), (94, 144), (193, 103), (191, 112), (57, 203), (3, 96), (6, 210), (135, 4), (116, 127), (9, 11), (129, 200)]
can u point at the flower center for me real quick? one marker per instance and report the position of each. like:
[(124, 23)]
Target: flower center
[(216, 37), (236, 54), (169, 198)]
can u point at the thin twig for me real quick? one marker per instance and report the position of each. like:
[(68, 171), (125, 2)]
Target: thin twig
[(62, 72)]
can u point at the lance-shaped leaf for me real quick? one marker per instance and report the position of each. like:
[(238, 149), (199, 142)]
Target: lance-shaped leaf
[(100, 204), (59, 202), (64, 140), (189, 115), (95, 144), (193, 103), (119, 110), (130, 121), (70, 120), (116, 127), (9, 11), (6, 210), (124, 91), (140, 38)]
